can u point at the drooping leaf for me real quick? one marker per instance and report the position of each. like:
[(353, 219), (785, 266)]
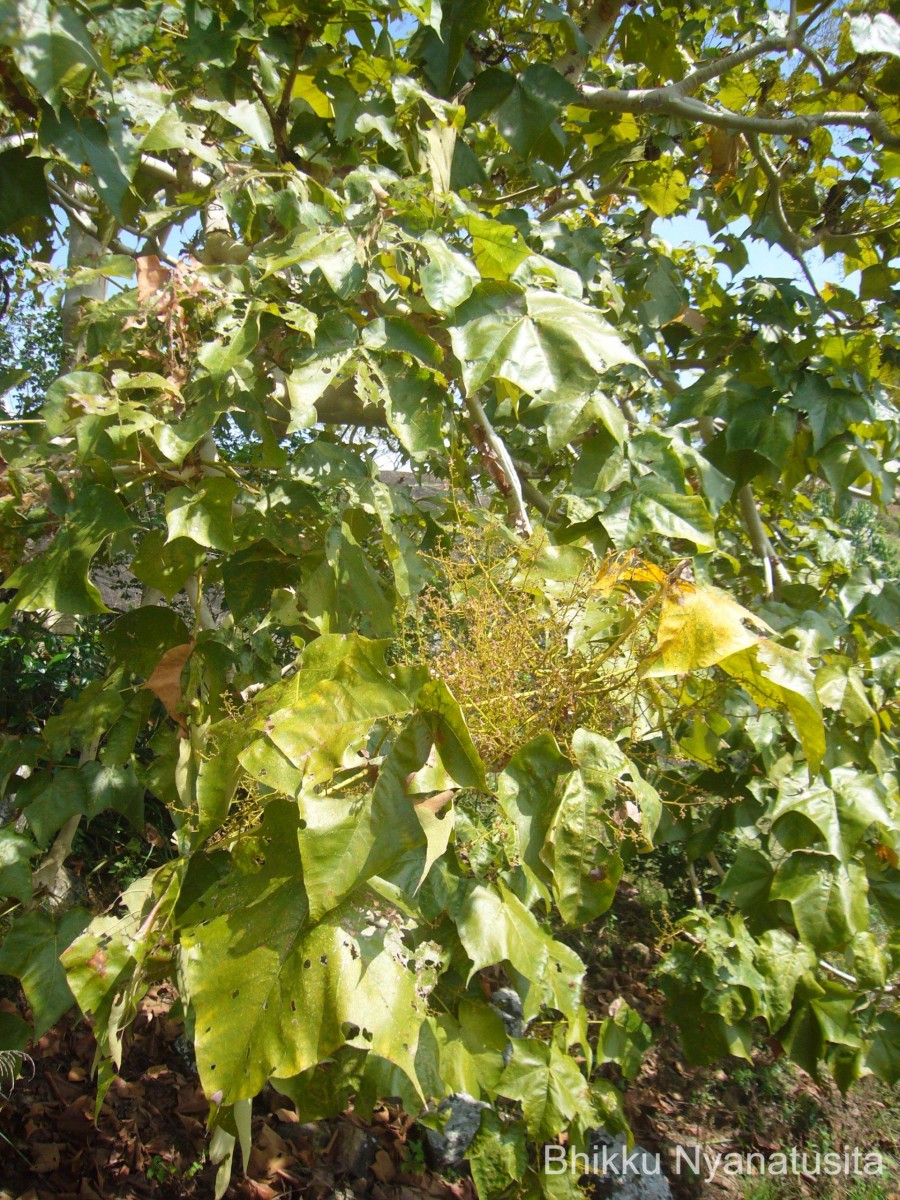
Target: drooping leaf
[(494, 926), (827, 897), (273, 991), (699, 627), (775, 675), (51, 45), (16, 851)]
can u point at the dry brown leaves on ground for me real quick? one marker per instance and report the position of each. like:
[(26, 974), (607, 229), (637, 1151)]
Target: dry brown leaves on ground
[(150, 1137)]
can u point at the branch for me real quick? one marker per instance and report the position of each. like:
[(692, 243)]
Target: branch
[(775, 571), (776, 574), (793, 243), (504, 472), (598, 24), (674, 102), (719, 66), (535, 498)]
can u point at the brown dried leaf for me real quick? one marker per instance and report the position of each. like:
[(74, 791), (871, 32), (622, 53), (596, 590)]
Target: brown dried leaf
[(724, 152), (165, 681), (152, 277), (383, 1167), (45, 1156)]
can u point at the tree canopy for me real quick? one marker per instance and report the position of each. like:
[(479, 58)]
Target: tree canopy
[(410, 725)]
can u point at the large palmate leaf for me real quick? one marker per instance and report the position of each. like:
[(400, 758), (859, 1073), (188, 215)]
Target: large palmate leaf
[(321, 719), (549, 1085), (699, 627), (274, 991), (51, 45), (775, 675), (527, 792), (840, 814), (546, 344), (827, 898), (579, 848)]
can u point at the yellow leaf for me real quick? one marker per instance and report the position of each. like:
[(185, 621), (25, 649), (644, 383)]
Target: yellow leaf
[(699, 627), (305, 88), (627, 569)]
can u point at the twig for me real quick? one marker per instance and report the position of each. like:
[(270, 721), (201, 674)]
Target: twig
[(695, 885)]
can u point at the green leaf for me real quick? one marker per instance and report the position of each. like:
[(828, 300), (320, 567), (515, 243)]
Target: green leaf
[(348, 840), (324, 715), (841, 813), (585, 870), (203, 513), (23, 189), (497, 248), (546, 344), (248, 116), (334, 252), (325, 1090), (31, 953), (782, 961), (140, 638), (347, 592), (51, 798), (274, 992), (401, 337), (569, 417), (429, 12), (661, 186), (453, 745), (549, 1086), (496, 927), (51, 46), (58, 579), (624, 1039), (537, 97), (416, 410), (827, 898), (747, 881), (449, 277), (109, 150), (830, 410), (15, 1034), (774, 675), (497, 1156), (527, 793), (166, 565), (653, 508), (608, 772), (16, 850), (219, 356), (884, 1055)]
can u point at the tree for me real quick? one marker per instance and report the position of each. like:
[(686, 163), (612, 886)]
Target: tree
[(409, 730)]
